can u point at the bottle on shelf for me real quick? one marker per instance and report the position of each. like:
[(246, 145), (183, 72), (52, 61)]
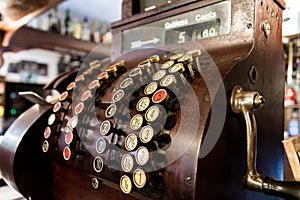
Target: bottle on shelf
[(68, 23), (77, 29), (94, 31), (42, 23), (107, 38), (294, 123), (55, 22), (103, 31), (50, 20), (85, 30), (297, 83), (289, 95)]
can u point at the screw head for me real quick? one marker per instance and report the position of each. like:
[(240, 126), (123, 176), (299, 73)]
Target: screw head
[(95, 183)]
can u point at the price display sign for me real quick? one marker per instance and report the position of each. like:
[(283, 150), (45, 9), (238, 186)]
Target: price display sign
[(209, 21)]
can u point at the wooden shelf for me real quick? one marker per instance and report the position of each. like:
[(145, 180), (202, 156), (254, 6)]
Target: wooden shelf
[(287, 38), (16, 13), (14, 35), (27, 38)]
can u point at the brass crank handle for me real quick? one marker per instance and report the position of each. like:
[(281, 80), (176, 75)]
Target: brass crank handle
[(245, 103)]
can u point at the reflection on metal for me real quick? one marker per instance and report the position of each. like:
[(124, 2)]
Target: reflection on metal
[(266, 28), (245, 103), (253, 74)]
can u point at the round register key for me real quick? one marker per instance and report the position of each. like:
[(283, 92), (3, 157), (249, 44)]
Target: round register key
[(146, 134), (56, 107), (131, 142), (94, 84), (142, 155), (135, 72), (101, 145), (73, 121), (45, 146), (79, 108), (69, 137), (71, 86), (64, 96), (86, 95), (159, 96), (139, 178), (117, 96), (125, 184), (167, 64), (47, 132), (126, 83), (98, 164), (143, 104), (127, 163), (103, 76), (168, 80), (106, 127), (51, 119), (110, 111), (67, 153), (159, 75), (136, 122), (152, 113), (150, 88)]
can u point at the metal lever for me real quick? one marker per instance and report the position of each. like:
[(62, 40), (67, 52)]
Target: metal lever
[(245, 103)]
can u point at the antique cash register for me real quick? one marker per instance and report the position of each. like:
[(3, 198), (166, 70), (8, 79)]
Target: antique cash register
[(189, 106)]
